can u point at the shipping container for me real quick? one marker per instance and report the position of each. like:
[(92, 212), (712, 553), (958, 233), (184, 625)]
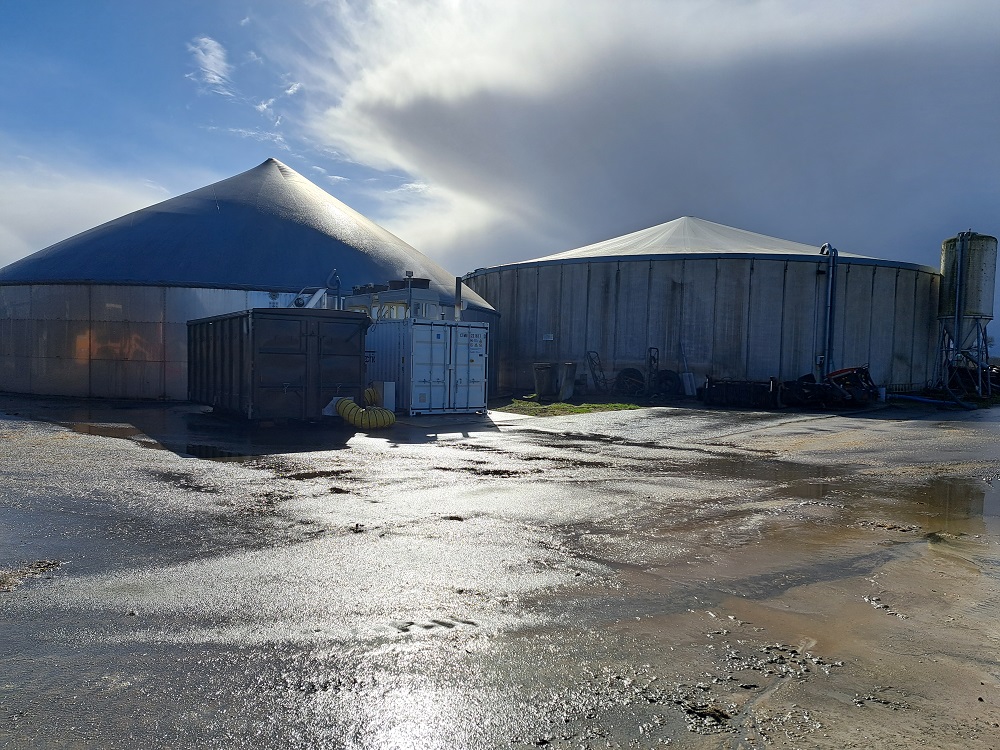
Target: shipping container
[(438, 366), (277, 363)]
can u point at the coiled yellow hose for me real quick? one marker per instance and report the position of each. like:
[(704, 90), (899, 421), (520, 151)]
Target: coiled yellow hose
[(372, 418)]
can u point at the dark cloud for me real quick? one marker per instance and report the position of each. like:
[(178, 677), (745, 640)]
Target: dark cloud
[(881, 151)]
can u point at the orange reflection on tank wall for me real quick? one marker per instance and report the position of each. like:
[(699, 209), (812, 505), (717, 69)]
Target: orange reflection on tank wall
[(81, 348)]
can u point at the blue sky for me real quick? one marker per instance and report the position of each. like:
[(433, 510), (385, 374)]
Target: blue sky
[(484, 132)]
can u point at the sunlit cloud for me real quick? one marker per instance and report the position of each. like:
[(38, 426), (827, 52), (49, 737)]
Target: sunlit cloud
[(542, 126), (213, 69), (293, 89), (413, 187), (255, 134)]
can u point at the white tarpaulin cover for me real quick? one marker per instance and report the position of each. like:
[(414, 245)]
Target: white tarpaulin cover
[(689, 235)]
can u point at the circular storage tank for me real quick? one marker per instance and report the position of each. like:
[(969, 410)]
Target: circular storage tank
[(104, 313), (969, 260), (714, 301)]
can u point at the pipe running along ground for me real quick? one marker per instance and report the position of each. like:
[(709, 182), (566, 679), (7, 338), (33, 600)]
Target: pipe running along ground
[(369, 418)]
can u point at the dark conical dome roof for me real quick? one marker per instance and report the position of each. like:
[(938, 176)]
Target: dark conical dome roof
[(268, 228)]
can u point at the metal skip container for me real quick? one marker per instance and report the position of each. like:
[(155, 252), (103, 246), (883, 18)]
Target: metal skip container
[(277, 363), (438, 366)]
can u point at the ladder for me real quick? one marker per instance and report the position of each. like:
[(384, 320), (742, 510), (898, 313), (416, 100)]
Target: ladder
[(597, 371)]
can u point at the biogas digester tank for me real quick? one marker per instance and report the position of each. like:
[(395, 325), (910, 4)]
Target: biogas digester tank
[(969, 268)]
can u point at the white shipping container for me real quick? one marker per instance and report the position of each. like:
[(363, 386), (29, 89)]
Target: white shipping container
[(438, 366)]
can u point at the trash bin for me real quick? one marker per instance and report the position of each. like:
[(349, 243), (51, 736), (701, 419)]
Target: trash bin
[(567, 380), (545, 380)]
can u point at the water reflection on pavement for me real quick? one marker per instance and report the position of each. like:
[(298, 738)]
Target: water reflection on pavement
[(625, 579)]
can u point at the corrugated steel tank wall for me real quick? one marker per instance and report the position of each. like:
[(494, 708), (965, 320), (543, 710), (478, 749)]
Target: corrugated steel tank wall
[(746, 318), (107, 341), (977, 274)]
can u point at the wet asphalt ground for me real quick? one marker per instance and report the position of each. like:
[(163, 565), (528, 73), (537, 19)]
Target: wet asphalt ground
[(663, 577)]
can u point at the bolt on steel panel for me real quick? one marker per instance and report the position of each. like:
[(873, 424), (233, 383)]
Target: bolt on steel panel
[(549, 308), (902, 343), (631, 314), (184, 304), (666, 311), (140, 304), (732, 301), (15, 301), (63, 339), (882, 324), (175, 343), (16, 338), (60, 302), (765, 309), (698, 314), (15, 374), (121, 379), (59, 376), (802, 317), (925, 331), (175, 380), (656, 317), (854, 317), (126, 340), (572, 331), (602, 289), (525, 322)]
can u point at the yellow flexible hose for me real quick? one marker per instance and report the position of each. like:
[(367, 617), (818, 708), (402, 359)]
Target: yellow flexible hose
[(372, 418)]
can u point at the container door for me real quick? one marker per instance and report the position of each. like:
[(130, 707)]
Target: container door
[(429, 367), (341, 363), (467, 389), (281, 368)]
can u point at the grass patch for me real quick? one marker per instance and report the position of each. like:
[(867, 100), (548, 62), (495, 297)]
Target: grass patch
[(531, 407)]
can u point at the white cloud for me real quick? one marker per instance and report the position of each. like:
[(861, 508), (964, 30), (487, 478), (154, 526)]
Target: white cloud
[(254, 134), (293, 89), (542, 126), (213, 69), (413, 188), (41, 205)]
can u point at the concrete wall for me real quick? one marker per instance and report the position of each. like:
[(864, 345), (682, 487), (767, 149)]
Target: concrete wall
[(741, 318), (106, 341)]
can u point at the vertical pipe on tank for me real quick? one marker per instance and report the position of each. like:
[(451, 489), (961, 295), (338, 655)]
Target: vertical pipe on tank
[(831, 288), (956, 331), (334, 277)]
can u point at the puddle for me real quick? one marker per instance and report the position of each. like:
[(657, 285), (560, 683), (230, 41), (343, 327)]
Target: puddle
[(116, 431), (214, 453), (120, 431)]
